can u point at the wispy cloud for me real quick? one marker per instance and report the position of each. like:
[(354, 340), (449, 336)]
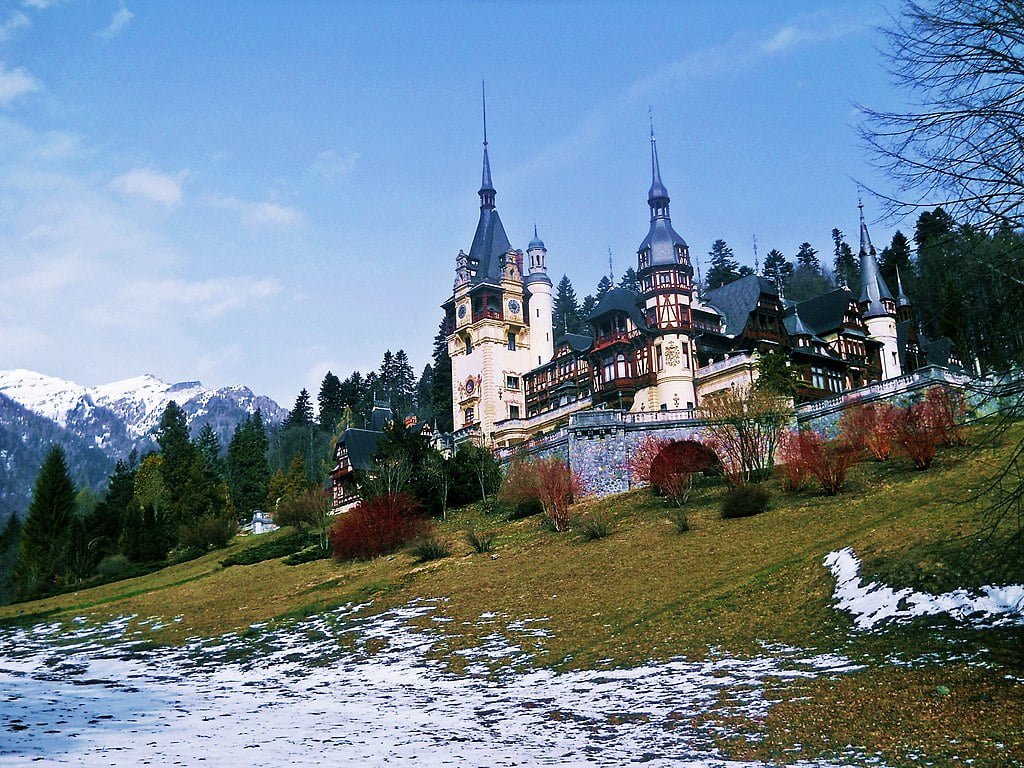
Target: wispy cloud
[(14, 83), (150, 185), (810, 30), (202, 299), (121, 18), (39, 5), (15, 21), (260, 214), (330, 165)]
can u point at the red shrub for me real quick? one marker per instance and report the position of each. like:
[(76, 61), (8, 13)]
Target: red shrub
[(376, 527), (642, 459), (871, 426), (793, 465), (672, 471), (945, 410), (549, 482), (807, 454), (917, 435)]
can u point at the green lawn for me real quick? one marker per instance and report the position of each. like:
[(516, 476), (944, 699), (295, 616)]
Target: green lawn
[(646, 592)]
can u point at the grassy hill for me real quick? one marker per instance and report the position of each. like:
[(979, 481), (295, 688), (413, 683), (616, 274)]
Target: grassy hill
[(942, 693)]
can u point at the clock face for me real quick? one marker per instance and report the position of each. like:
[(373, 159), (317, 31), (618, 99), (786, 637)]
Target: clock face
[(514, 307), (462, 311), (470, 386)]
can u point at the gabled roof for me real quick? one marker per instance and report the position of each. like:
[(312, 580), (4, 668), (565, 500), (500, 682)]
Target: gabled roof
[(361, 445), (736, 300), (825, 313), (620, 300), (578, 342)]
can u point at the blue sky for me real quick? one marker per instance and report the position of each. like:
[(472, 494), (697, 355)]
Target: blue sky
[(255, 192)]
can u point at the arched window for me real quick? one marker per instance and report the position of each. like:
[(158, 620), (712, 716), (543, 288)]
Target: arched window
[(469, 344)]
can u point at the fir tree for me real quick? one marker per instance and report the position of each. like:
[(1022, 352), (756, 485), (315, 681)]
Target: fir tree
[(402, 392), (807, 257), (604, 285), (208, 445), (301, 414), (589, 305), (724, 268), (43, 550), (630, 281), (147, 530), (846, 264), (248, 470), (441, 386), (9, 539), (108, 517), (567, 317), (777, 267), (331, 400), (896, 256), (424, 387), (288, 485)]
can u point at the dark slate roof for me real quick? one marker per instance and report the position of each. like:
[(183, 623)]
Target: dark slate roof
[(361, 445), (662, 240), (490, 244), (872, 286), (380, 416), (825, 313), (938, 352), (620, 300), (577, 341), (903, 331), (536, 242), (736, 300)]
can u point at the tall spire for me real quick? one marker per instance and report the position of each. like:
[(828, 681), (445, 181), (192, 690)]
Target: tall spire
[(865, 238), (657, 197), (487, 192), (873, 290), (902, 300)]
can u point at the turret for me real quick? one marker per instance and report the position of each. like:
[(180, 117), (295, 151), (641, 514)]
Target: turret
[(541, 304), (904, 311), (877, 304)]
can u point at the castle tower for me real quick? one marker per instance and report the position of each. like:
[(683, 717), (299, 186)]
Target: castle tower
[(541, 305), (666, 277), (877, 304), (488, 329), (904, 311)]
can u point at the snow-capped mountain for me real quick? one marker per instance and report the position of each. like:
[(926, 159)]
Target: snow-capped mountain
[(110, 419)]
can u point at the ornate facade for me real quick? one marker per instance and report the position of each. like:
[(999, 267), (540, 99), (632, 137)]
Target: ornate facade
[(662, 349)]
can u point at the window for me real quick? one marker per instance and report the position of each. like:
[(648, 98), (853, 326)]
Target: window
[(469, 345), (512, 382), (469, 416), (818, 377), (512, 342), (685, 356), (664, 278), (513, 411), (659, 359)]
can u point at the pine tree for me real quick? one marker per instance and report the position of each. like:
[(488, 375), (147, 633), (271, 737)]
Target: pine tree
[(567, 318), (776, 266), (43, 551), (441, 386), (724, 268), (846, 264), (301, 414), (896, 256), (604, 285), (147, 532), (288, 485), (107, 520), (807, 257), (424, 387), (331, 401), (402, 393), (181, 468), (248, 470), (630, 281), (9, 540), (589, 305), (208, 445)]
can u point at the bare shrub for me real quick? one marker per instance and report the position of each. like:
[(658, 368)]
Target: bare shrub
[(377, 526), (871, 425), (743, 428)]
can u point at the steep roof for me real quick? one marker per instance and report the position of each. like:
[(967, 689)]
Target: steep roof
[(825, 312), (361, 445), (620, 300), (872, 285), (736, 300), (490, 244), (661, 238)]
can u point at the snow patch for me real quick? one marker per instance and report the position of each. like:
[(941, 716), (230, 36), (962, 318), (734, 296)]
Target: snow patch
[(873, 603)]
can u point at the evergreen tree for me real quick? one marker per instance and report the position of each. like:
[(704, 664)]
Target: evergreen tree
[(775, 375), (331, 400), (402, 392), (630, 281), (589, 305), (45, 534), (776, 266), (846, 264), (441, 385), (424, 388), (807, 257), (301, 414), (288, 485), (147, 532), (604, 285), (108, 517), (9, 539), (567, 316), (724, 267), (190, 493), (248, 470), (208, 445), (896, 256)]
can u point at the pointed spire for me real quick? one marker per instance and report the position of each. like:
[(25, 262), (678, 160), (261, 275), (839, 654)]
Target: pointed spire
[(873, 290), (902, 300), (487, 191), (865, 238), (536, 242), (799, 329), (657, 197)]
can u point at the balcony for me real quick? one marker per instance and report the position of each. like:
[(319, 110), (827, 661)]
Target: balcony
[(736, 361), (488, 314), (609, 339)]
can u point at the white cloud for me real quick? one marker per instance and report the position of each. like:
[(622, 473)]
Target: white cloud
[(14, 83), (39, 5), (15, 21), (818, 28), (122, 16), (59, 145), (150, 185), (265, 213), (330, 165), (200, 299)]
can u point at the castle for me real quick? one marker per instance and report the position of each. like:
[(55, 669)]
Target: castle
[(663, 349)]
